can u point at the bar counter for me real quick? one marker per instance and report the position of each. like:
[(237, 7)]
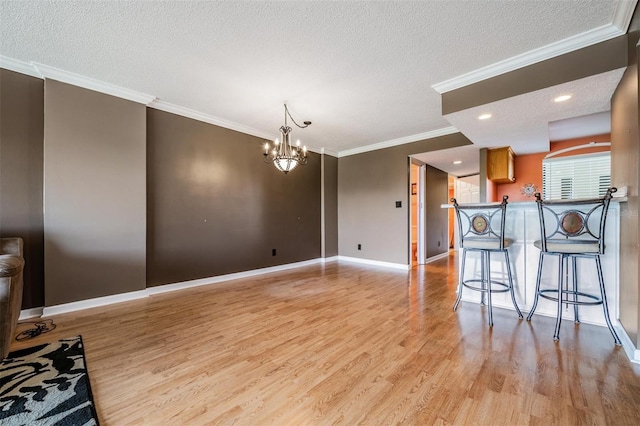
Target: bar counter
[(523, 226)]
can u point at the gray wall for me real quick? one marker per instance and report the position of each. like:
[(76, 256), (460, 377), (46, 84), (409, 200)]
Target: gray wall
[(331, 205), (369, 184), (437, 193), (94, 185), (625, 162), (215, 208), (21, 133)]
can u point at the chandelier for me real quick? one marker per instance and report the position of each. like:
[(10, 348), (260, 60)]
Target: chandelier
[(284, 155)]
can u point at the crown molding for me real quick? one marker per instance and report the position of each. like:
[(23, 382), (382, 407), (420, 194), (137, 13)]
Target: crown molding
[(206, 118), (38, 70), (623, 14), (63, 76), (18, 66), (329, 152), (400, 141), (531, 57), (316, 150)]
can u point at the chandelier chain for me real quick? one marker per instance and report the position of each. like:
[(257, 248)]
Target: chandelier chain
[(286, 110)]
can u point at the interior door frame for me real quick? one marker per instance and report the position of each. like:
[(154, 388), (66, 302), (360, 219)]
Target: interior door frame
[(421, 231)]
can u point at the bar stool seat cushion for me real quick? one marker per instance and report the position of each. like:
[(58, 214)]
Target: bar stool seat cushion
[(569, 246), (486, 243)]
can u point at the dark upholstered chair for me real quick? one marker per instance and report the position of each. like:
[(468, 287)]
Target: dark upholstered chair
[(11, 267)]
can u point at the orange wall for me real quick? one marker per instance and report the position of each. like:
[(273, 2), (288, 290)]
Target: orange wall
[(528, 168)]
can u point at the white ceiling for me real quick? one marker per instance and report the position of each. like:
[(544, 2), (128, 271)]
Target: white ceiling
[(443, 160), (581, 126), (522, 122), (362, 72)]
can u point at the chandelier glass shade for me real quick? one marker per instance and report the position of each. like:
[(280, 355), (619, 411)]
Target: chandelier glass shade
[(284, 155)]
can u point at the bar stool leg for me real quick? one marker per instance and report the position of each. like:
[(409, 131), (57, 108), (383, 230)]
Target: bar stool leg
[(487, 256), (535, 299), (604, 302), (464, 258), (513, 296), (556, 335), (483, 282), (574, 262)]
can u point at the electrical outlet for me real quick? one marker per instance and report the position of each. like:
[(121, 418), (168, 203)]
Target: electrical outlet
[(273, 252), (359, 246), (398, 204)]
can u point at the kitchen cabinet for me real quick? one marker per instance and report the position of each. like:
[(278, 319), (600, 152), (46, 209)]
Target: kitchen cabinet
[(500, 165)]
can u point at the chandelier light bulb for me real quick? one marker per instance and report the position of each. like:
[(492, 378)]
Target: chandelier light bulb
[(298, 143), (277, 141)]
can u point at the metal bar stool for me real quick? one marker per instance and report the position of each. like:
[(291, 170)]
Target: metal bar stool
[(571, 230), (481, 229)]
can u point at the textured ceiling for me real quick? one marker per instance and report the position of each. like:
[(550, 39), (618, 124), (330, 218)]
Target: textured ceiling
[(515, 123), (362, 72)]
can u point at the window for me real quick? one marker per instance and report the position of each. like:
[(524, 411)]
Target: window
[(578, 176), (604, 184), (566, 188)]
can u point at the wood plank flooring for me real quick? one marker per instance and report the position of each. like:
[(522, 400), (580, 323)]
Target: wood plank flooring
[(344, 344)]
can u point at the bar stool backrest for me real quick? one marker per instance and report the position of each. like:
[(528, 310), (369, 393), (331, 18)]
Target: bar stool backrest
[(573, 222), (482, 223)]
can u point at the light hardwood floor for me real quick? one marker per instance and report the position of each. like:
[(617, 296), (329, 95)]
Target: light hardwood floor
[(344, 344)]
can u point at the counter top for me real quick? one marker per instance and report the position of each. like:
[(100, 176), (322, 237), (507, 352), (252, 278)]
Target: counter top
[(516, 204)]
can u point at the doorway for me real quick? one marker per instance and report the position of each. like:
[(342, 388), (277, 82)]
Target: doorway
[(417, 230), (465, 189)]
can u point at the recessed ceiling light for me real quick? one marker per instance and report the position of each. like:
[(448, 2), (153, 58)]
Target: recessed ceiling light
[(484, 116), (562, 98), (457, 162)]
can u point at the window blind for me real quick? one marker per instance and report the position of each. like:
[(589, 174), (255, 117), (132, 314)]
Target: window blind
[(578, 176)]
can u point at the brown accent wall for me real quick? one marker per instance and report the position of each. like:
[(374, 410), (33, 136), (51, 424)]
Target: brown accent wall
[(610, 55), (625, 162), (331, 205), (437, 241), (21, 160), (369, 185), (215, 208), (94, 186)]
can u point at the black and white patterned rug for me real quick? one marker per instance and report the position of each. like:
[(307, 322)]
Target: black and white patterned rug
[(47, 385)]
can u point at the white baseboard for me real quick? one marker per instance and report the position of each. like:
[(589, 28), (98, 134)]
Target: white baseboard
[(629, 348), (228, 277), (375, 263), (331, 259), (93, 303), (437, 257), (125, 297), (30, 313)]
